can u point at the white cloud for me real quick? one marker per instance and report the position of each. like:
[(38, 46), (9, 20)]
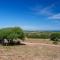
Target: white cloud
[(47, 10), (44, 11), (56, 16)]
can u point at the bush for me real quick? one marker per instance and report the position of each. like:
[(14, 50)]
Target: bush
[(11, 33), (55, 37)]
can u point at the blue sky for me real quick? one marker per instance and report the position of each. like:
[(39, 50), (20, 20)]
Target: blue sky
[(30, 14)]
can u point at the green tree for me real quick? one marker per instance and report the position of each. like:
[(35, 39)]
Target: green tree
[(11, 33)]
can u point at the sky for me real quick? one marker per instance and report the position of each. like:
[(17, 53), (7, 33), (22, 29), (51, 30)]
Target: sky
[(30, 14)]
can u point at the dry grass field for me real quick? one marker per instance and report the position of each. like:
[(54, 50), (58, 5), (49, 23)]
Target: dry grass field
[(47, 41), (30, 52)]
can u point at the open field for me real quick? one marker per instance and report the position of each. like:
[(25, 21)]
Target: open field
[(30, 51), (47, 41)]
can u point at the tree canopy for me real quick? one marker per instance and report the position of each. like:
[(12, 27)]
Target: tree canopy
[(11, 33)]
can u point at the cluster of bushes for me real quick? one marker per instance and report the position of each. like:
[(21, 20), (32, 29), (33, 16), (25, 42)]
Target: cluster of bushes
[(37, 35), (53, 36), (7, 35)]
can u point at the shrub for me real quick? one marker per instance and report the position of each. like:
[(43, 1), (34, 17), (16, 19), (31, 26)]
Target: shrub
[(11, 33), (55, 37)]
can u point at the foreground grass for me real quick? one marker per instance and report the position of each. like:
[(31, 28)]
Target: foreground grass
[(25, 52)]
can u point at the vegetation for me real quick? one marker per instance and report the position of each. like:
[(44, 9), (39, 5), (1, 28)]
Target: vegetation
[(14, 33), (55, 37), (11, 33), (41, 35)]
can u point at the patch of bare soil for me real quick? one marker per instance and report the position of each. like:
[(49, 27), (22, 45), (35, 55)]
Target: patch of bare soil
[(30, 51)]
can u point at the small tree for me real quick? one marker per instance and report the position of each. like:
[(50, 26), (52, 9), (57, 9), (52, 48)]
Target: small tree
[(11, 33), (15, 33), (55, 37)]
